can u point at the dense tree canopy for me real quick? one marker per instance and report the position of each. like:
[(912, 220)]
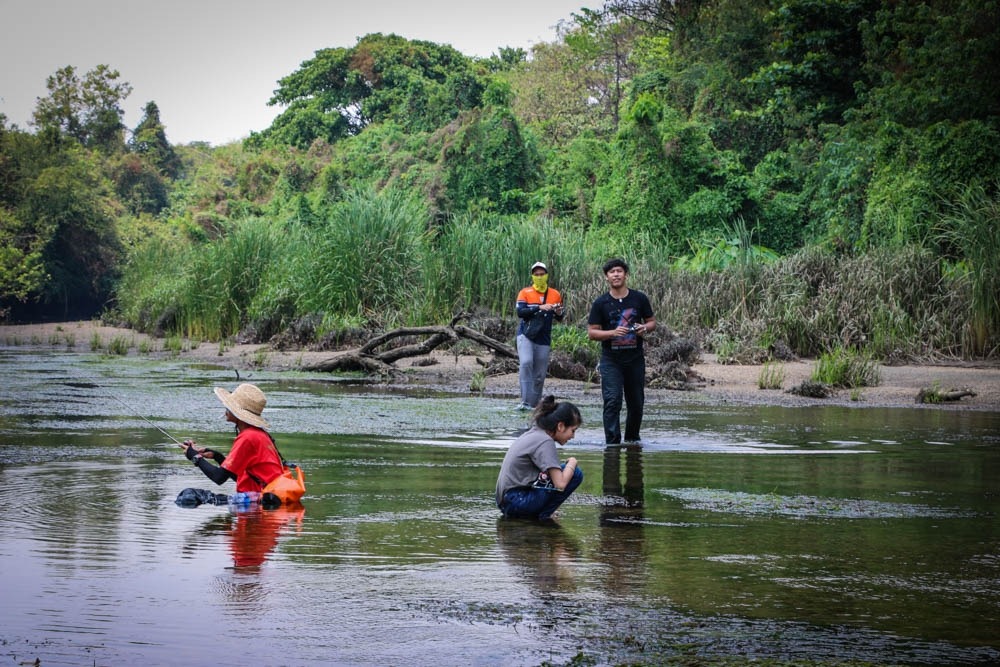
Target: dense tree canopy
[(383, 78)]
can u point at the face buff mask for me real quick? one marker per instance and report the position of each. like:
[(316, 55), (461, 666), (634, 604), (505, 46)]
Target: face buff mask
[(540, 283)]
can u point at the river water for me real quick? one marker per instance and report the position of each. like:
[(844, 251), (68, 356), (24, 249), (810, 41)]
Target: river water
[(820, 534)]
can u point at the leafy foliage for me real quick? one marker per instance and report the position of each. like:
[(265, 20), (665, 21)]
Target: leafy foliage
[(339, 92), (87, 110), (149, 139), (808, 172)]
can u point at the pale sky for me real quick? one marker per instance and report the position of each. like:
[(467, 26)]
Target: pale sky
[(212, 65)]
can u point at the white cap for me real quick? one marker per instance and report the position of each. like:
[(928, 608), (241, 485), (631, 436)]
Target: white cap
[(539, 265)]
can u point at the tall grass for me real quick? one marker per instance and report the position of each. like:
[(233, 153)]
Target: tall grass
[(378, 261), (483, 262), (367, 260), (201, 291), (894, 303), (973, 226), (846, 368)]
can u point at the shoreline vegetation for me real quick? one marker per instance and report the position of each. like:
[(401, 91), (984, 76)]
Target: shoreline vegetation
[(718, 383)]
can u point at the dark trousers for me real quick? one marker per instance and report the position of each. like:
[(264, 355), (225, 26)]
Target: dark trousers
[(622, 374)]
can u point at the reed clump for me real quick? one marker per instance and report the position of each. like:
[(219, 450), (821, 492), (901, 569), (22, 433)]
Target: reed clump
[(119, 345), (973, 227), (772, 376), (846, 368)]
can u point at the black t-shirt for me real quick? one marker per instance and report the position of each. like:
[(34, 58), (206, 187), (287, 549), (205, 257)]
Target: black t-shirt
[(611, 312)]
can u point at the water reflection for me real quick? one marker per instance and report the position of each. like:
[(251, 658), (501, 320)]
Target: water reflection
[(544, 553), (622, 533), (625, 496), (250, 534)]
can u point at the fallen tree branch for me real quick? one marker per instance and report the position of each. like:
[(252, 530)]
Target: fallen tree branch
[(484, 340), (381, 363)]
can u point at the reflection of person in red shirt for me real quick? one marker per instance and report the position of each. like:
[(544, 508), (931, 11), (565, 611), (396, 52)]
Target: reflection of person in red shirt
[(255, 533), (253, 461)]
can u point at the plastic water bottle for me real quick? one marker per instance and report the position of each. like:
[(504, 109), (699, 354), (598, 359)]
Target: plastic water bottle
[(244, 499)]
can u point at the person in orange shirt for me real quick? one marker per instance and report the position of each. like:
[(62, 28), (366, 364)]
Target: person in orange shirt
[(537, 306)]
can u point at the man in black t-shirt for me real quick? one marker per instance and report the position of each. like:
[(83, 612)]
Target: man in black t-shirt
[(620, 319)]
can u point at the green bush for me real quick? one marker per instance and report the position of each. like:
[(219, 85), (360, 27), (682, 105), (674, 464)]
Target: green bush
[(573, 341)]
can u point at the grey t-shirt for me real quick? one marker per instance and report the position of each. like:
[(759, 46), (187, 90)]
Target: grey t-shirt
[(533, 452)]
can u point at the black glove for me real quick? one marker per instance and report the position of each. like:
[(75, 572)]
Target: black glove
[(218, 457), (191, 453)]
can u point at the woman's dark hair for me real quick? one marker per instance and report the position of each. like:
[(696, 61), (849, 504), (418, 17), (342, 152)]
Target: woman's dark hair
[(548, 414), (612, 263)]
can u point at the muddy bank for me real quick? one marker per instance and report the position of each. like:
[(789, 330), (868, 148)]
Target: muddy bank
[(449, 372)]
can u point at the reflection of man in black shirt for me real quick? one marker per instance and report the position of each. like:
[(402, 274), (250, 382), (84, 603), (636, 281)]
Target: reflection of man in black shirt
[(629, 494), (622, 529), (620, 319)]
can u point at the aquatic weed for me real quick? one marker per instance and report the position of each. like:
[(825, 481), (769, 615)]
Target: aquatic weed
[(720, 500), (119, 345), (478, 382)]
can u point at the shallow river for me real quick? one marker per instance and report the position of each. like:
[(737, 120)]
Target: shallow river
[(789, 534)]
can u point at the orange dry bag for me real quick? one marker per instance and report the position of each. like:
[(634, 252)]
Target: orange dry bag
[(289, 486)]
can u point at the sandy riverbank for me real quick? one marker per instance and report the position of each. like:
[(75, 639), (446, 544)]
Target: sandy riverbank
[(723, 383)]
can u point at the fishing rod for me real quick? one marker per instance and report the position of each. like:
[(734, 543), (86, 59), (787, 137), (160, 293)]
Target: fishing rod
[(146, 419)]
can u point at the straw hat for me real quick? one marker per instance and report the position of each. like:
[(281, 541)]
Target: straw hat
[(246, 403)]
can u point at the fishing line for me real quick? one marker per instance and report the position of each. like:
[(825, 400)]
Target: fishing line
[(145, 419), (132, 411)]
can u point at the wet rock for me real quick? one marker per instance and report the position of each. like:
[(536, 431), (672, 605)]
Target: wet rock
[(812, 389), (781, 352)]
